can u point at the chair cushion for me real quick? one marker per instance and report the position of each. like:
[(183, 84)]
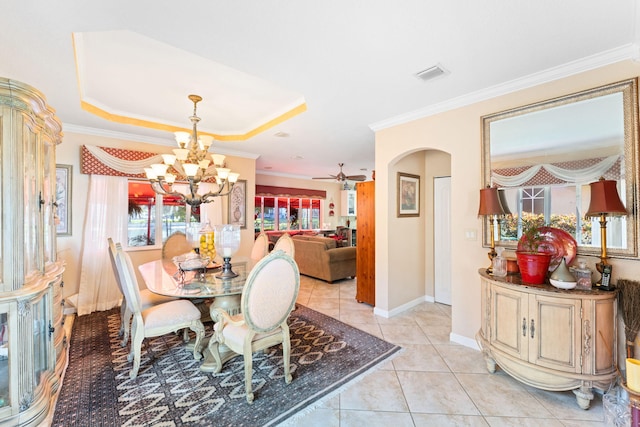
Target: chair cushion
[(173, 313), (234, 335)]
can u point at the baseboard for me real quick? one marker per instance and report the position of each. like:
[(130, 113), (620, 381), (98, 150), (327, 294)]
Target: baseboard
[(404, 307), (465, 341)]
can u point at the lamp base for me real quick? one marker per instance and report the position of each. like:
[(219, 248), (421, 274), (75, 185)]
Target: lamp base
[(604, 283), (226, 272)]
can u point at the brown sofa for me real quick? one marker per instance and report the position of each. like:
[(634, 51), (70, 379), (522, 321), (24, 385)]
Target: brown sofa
[(319, 257)]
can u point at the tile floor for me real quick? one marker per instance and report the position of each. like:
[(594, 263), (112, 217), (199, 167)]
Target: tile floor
[(433, 382)]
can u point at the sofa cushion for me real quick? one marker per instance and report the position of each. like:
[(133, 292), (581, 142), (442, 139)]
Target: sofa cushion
[(329, 243)]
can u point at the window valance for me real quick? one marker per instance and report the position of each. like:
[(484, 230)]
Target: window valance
[(272, 191), (579, 171), (120, 162)]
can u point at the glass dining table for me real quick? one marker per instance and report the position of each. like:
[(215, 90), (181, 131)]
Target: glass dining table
[(163, 277)]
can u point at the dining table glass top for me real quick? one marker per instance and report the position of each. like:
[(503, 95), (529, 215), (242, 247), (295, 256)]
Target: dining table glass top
[(164, 278)]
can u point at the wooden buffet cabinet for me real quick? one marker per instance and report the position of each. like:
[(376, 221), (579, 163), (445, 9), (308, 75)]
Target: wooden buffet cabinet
[(33, 347), (549, 338), (366, 243)]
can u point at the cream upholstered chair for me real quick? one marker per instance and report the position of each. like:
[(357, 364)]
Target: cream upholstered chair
[(268, 298), (156, 320), (285, 243), (147, 298), (176, 244), (260, 247)]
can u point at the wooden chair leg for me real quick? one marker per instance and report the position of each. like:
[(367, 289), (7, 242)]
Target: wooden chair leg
[(198, 328), (248, 370)]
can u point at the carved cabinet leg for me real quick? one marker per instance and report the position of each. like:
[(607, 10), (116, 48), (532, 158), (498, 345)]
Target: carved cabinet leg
[(584, 396)]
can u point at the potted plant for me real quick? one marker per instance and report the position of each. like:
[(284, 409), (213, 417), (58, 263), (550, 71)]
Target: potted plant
[(532, 256)]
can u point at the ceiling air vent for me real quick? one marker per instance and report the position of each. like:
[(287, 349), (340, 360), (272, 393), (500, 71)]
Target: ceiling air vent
[(431, 73)]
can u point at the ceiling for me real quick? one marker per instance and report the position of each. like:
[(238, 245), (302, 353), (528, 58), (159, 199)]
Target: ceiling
[(324, 74)]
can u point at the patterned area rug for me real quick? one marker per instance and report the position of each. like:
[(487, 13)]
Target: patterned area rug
[(170, 389)]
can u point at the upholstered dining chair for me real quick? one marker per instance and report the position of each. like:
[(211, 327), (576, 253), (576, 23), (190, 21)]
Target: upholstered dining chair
[(260, 247), (176, 244), (268, 298), (156, 320), (147, 298), (285, 243)]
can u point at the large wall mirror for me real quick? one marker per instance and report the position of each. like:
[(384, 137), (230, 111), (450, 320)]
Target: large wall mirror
[(543, 156)]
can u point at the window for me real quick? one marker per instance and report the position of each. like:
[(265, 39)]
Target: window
[(284, 213), (152, 217)]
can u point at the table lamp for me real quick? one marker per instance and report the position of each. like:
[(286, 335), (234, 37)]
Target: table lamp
[(605, 201), (227, 242), (491, 207)]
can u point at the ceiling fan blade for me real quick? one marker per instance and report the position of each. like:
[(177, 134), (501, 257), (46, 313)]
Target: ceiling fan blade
[(324, 177), (356, 177)]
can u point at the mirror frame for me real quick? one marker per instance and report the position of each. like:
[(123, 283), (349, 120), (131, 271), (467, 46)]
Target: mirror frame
[(629, 90)]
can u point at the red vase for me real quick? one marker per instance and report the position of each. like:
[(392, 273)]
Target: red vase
[(533, 266)]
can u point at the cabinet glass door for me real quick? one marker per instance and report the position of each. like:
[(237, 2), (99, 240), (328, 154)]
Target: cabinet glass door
[(5, 377), (40, 339), (32, 217)]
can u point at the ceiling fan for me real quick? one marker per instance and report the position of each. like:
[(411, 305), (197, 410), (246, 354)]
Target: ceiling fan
[(341, 177)]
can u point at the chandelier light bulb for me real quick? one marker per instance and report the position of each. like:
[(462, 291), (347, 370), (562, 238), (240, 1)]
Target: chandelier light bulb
[(182, 138), (181, 154), (170, 178), (218, 159), (204, 164), (159, 169), (205, 142), (223, 173), (233, 177), (190, 169), (169, 159), (150, 173)]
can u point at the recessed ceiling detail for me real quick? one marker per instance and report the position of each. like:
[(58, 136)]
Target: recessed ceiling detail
[(132, 79)]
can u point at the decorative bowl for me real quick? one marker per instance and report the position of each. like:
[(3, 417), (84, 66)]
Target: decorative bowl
[(190, 263), (562, 285)]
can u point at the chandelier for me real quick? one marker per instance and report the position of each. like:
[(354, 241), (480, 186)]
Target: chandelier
[(193, 161)]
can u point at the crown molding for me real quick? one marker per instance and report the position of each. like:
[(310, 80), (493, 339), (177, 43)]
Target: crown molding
[(622, 53), (83, 130)]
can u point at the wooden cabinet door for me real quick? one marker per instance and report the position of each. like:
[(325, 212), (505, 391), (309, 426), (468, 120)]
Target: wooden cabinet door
[(554, 330), (510, 321), (366, 243)]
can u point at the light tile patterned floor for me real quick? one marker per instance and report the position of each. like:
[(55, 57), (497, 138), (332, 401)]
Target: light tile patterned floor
[(433, 382)]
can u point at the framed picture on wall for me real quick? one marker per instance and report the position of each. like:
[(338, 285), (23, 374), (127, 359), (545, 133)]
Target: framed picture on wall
[(238, 204), (408, 195), (62, 208)]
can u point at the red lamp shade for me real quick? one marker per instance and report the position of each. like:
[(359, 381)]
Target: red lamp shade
[(605, 199), (490, 202)]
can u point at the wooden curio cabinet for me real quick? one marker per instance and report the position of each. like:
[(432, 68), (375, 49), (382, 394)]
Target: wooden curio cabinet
[(32, 344), (366, 243)]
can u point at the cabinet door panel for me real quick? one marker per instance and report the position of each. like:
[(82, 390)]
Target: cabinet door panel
[(509, 325), (556, 330)]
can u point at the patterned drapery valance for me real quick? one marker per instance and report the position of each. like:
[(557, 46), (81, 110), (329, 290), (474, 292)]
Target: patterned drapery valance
[(116, 161), (579, 171), (272, 191), (129, 163)]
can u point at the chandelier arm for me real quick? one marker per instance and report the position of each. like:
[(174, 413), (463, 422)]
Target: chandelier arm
[(159, 188), (218, 193)]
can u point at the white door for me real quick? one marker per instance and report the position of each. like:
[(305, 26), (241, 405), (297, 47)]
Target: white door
[(442, 239)]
